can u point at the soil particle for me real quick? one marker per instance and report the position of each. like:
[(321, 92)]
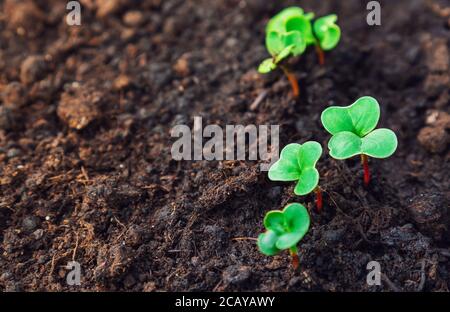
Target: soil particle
[(435, 84), (29, 223), (33, 68), (24, 17), (122, 82), (13, 152), (181, 66), (38, 234), (431, 214), (105, 8), (406, 238), (159, 74), (14, 95), (79, 106), (236, 274), (435, 137), (133, 18), (437, 61), (437, 56)]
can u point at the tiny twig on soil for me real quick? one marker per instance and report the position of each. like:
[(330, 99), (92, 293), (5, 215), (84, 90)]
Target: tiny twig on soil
[(391, 285), (258, 100), (244, 238), (423, 276), (76, 248)]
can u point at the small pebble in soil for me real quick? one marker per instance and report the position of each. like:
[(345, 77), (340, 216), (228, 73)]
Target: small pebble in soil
[(236, 275), (38, 234), (29, 223), (33, 68)]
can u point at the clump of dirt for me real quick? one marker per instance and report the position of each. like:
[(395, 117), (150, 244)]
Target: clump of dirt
[(86, 172)]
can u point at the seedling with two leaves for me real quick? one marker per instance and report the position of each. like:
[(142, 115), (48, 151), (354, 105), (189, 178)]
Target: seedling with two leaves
[(290, 32), (353, 132), (284, 229), (298, 163)]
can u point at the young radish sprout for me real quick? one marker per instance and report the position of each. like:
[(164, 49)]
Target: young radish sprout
[(298, 163), (352, 129), (328, 35), (284, 229), (289, 33)]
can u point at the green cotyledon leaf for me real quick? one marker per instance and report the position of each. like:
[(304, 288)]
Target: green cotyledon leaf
[(380, 143), (308, 181), (296, 218), (310, 153), (288, 240), (292, 224), (360, 117), (296, 42), (286, 168), (302, 24), (267, 243), (281, 45), (297, 163), (277, 23), (274, 43), (274, 220), (327, 32), (344, 145)]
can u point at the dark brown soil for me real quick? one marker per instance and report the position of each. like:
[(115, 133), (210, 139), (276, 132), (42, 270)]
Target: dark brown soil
[(87, 174)]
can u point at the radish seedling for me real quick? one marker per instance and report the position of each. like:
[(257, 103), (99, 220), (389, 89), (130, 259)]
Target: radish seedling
[(352, 128), (289, 33), (298, 163), (327, 33), (284, 229)]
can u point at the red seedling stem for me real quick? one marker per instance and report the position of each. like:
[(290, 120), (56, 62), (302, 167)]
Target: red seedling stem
[(295, 258), (291, 77), (319, 200), (320, 55), (365, 163)]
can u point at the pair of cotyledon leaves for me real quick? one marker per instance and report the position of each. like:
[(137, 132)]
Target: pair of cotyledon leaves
[(291, 31), (284, 229), (353, 133)]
